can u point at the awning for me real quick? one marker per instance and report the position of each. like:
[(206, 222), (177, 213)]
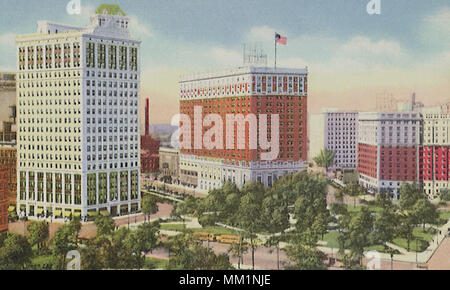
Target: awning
[(67, 213), (11, 208), (58, 212), (104, 212), (77, 213), (92, 213), (39, 211)]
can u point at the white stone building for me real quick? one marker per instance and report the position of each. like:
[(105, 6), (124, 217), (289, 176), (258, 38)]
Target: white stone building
[(78, 118)]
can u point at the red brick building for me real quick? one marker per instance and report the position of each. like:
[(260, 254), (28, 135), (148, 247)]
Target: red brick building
[(149, 146), (4, 198), (8, 160), (388, 150), (246, 92), (434, 154)]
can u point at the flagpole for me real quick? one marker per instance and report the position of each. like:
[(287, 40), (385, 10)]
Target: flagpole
[(275, 50)]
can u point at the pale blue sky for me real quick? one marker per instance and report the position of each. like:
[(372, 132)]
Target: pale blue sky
[(349, 52)]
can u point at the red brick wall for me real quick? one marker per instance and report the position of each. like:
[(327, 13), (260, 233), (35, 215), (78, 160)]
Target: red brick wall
[(367, 160), (4, 199), (434, 158), (292, 111), (398, 163)]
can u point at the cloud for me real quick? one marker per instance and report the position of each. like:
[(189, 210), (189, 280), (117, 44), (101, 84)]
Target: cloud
[(7, 40), (263, 34), (82, 19), (225, 57), (361, 45), (138, 29), (439, 20)]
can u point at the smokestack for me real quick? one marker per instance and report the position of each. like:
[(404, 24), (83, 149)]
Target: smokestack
[(147, 117)]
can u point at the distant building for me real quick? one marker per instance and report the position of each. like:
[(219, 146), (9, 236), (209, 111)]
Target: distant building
[(169, 165), (434, 154), (336, 131), (388, 150), (4, 199), (410, 106), (8, 160), (8, 128), (149, 146)]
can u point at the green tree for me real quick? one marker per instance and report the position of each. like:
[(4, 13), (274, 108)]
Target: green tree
[(325, 159), (353, 190), (445, 195), (91, 257), (63, 242), (406, 230), (149, 206), (238, 250), (16, 253), (75, 228), (105, 225), (386, 224), (303, 253), (357, 234), (250, 214), (39, 233), (425, 212), (208, 220), (197, 257), (141, 241), (409, 195)]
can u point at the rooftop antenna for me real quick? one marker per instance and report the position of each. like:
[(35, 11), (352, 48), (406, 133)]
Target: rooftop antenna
[(254, 55)]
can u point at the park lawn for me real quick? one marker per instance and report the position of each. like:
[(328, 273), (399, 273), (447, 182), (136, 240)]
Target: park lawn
[(217, 230), (444, 214), (210, 229), (173, 227), (38, 262), (332, 239), (332, 242), (378, 248), (356, 209), (421, 245), (154, 263)]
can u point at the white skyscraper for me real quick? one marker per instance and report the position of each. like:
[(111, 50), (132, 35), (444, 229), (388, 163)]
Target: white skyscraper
[(78, 118)]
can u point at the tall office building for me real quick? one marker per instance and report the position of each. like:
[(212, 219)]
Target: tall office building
[(245, 91), (336, 131), (434, 154), (78, 118), (388, 150)]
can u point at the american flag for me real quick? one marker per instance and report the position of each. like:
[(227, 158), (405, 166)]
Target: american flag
[(280, 39)]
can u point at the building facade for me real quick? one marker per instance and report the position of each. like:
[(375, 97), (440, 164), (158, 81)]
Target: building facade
[(169, 164), (336, 131), (8, 129), (78, 120), (4, 199), (244, 92), (434, 154), (388, 150), (149, 146), (8, 160)]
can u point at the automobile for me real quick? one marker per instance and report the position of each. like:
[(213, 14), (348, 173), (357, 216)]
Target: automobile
[(229, 239), (203, 236)]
